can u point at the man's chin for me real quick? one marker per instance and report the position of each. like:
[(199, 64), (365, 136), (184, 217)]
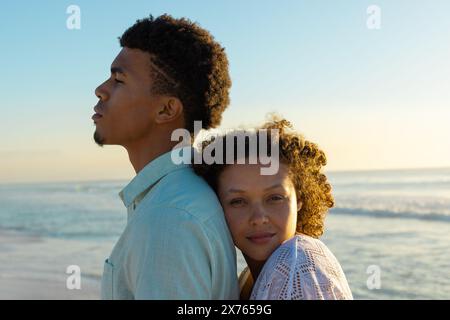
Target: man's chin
[(99, 140)]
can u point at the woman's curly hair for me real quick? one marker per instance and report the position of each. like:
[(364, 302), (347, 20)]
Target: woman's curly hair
[(304, 160)]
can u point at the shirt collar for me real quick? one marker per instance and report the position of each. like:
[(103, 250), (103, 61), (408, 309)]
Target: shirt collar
[(150, 174)]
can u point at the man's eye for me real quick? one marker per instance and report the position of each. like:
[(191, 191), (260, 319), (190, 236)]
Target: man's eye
[(118, 81)]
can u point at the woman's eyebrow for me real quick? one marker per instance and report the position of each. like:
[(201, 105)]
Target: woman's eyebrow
[(235, 191), (232, 190), (278, 185)]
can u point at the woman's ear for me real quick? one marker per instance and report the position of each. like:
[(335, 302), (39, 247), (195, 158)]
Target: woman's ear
[(170, 110), (299, 204)]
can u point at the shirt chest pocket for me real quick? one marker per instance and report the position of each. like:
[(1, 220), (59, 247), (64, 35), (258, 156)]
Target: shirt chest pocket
[(108, 280)]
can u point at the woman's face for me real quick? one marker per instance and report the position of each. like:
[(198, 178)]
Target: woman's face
[(261, 210)]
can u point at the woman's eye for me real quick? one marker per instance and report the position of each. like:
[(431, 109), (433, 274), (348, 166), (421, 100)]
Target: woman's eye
[(237, 202), (276, 198)]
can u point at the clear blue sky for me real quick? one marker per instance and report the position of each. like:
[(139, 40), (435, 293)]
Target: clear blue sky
[(371, 98)]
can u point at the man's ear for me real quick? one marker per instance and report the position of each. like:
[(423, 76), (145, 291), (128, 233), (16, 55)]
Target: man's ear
[(170, 110)]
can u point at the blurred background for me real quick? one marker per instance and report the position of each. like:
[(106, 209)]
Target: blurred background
[(369, 81)]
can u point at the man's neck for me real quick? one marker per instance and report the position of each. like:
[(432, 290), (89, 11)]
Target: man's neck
[(141, 155)]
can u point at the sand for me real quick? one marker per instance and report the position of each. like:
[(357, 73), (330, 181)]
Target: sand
[(35, 268)]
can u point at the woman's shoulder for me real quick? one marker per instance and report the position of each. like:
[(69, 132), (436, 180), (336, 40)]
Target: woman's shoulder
[(301, 240), (309, 255), (245, 284), (302, 249), (302, 268)]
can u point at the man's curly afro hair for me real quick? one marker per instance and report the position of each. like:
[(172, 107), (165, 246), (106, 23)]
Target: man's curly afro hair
[(304, 160), (192, 66)]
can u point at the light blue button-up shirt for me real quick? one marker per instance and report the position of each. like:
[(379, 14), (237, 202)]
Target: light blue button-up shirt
[(176, 244)]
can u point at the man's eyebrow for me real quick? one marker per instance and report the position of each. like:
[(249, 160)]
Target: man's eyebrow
[(117, 70)]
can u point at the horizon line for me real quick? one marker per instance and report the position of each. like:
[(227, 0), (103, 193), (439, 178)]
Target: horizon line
[(62, 181)]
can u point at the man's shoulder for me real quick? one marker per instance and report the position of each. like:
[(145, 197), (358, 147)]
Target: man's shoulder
[(186, 192)]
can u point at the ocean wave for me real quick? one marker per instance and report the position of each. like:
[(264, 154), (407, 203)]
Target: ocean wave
[(95, 187), (389, 185), (431, 216)]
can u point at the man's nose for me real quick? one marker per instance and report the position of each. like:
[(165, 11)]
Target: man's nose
[(258, 215), (101, 92)]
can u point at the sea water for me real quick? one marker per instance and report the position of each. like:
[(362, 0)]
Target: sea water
[(390, 230)]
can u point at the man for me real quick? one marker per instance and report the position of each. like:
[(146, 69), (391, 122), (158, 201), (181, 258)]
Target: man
[(176, 244)]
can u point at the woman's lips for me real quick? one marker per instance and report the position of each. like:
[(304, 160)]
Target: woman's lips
[(261, 238)]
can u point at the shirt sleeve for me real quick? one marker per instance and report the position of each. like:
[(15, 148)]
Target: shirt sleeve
[(171, 257)]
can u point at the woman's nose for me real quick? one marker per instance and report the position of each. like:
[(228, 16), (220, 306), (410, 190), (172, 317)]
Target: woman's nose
[(258, 215)]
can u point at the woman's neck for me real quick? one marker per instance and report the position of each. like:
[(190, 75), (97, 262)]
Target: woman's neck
[(255, 266)]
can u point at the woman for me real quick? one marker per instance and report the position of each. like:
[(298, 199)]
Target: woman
[(276, 220)]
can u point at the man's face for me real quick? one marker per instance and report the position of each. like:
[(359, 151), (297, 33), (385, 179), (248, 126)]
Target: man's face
[(126, 107)]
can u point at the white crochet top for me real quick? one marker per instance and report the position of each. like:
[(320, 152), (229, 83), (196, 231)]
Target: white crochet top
[(302, 268)]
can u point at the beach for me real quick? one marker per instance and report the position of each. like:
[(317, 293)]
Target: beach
[(35, 268), (395, 222)]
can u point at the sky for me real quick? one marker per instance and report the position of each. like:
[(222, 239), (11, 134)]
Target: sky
[(371, 98)]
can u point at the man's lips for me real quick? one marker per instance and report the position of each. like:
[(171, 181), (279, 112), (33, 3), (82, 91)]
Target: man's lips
[(261, 238), (97, 110), (96, 116)]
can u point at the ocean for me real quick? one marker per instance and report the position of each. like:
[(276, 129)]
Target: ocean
[(390, 230)]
